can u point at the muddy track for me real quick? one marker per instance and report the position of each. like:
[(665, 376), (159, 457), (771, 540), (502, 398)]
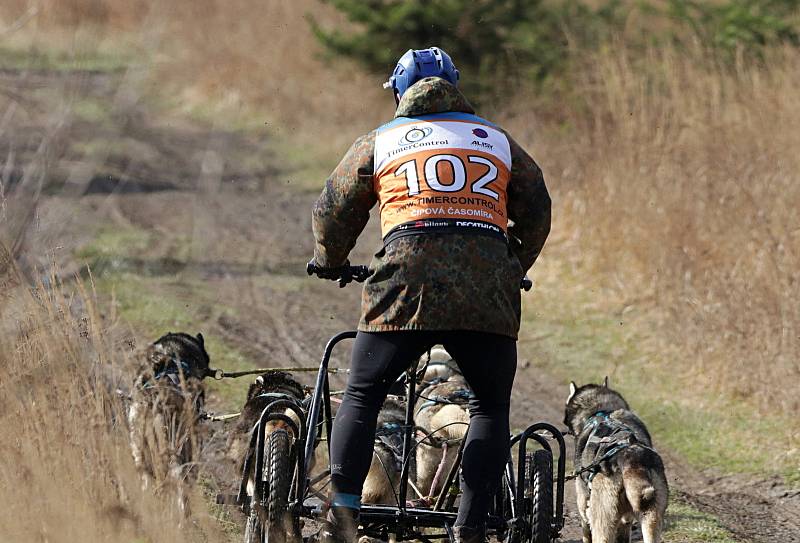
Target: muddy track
[(231, 241)]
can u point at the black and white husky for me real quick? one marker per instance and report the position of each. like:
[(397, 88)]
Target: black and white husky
[(164, 413), (621, 475)]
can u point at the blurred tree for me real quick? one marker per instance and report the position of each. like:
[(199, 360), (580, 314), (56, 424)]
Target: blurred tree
[(740, 24), (494, 43), (498, 44)]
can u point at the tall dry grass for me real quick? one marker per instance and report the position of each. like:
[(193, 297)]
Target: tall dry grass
[(677, 184), (67, 473), (235, 61)]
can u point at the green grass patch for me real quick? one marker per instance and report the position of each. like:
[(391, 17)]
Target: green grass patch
[(685, 523), (100, 149), (148, 305), (568, 338), (307, 170), (92, 110), (151, 305), (38, 58), (111, 243)]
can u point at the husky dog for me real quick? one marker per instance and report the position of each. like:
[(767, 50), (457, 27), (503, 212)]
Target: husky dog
[(268, 387), (622, 475), (265, 389), (442, 415), (383, 478), (163, 416)]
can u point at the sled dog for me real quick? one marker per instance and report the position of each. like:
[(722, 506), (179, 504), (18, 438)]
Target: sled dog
[(621, 477), (383, 478), (265, 389), (442, 415), (166, 401)]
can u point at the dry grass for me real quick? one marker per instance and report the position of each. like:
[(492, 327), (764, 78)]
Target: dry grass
[(67, 472), (235, 61), (677, 189)]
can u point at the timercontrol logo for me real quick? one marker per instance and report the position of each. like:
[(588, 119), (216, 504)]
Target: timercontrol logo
[(415, 135)]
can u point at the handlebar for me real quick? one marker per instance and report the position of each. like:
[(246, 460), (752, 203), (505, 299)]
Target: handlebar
[(344, 274), (359, 274)]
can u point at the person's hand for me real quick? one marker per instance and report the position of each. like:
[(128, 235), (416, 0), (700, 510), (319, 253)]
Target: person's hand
[(344, 274), (332, 274)]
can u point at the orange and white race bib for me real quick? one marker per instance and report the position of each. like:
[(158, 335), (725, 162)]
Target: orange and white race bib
[(443, 171)]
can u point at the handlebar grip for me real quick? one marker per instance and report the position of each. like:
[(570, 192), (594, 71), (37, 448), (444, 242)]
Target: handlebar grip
[(344, 274), (360, 274)]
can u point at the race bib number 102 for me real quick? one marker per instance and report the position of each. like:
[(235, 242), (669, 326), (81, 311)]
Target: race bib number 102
[(442, 168)]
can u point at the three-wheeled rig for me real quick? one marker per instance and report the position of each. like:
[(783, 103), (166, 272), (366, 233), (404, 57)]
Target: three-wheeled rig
[(281, 491)]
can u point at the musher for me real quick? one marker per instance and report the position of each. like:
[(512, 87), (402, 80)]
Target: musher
[(464, 213)]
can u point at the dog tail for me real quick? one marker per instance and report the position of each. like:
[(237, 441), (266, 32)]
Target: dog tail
[(643, 478)]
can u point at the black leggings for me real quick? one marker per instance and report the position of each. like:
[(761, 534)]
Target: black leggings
[(488, 363)]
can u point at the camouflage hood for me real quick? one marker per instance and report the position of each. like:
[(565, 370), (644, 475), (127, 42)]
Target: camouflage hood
[(432, 95)]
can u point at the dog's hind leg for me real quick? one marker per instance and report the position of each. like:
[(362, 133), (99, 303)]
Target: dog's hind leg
[(651, 527), (587, 532), (604, 509), (428, 459), (582, 493)]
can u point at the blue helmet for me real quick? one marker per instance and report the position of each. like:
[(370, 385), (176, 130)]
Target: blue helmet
[(418, 64)]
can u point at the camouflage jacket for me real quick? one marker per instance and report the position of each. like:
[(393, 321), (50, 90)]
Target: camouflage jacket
[(434, 281)]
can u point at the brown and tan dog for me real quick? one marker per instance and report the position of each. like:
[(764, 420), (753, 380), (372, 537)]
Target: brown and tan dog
[(442, 415), (622, 475), (259, 395)]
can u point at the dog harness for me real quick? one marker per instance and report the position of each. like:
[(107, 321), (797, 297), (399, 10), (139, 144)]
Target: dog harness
[(460, 396), (171, 371), (607, 437), (444, 172), (390, 434)]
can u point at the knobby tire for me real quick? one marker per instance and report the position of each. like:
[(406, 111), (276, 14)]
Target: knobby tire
[(540, 477), (278, 470)]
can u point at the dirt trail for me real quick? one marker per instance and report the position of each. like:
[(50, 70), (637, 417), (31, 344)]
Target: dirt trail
[(228, 236)]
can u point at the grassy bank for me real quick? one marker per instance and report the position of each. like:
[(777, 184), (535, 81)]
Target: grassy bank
[(68, 474), (569, 335)]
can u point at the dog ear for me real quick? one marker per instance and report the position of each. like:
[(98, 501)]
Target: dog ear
[(201, 340), (605, 382), (573, 388)]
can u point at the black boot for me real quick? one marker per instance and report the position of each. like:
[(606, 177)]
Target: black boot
[(468, 534), (341, 526)]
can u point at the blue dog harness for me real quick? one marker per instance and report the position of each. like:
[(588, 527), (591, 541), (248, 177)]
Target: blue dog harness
[(171, 371)]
